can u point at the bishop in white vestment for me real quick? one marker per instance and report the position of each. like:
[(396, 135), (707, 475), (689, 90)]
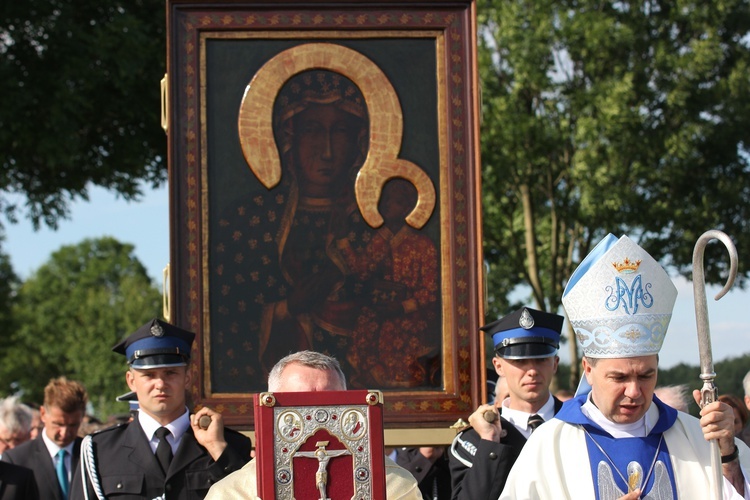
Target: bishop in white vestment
[(615, 439)]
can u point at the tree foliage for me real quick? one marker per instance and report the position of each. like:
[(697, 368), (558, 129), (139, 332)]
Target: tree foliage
[(625, 117), (71, 312), (80, 86), (729, 375), (8, 284)]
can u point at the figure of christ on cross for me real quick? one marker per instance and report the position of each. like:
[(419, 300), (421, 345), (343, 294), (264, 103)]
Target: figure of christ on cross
[(323, 456)]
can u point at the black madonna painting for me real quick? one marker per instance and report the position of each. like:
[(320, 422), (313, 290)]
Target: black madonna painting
[(324, 190), (294, 265)]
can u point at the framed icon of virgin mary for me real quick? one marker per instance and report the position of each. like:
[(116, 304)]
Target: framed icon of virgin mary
[(324, 181)]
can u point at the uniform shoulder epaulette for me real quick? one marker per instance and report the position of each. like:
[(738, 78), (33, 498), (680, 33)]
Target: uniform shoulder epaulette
[(463, 445), (110, 428), (466, 445)]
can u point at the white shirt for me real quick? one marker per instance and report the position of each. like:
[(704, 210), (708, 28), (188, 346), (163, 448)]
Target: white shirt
[(520, 419), (177, 427), (53, 450)]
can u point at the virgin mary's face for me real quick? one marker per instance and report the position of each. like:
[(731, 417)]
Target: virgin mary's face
[(325, 145)]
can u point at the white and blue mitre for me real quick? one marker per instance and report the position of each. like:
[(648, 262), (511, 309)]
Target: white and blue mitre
[(619, 301)]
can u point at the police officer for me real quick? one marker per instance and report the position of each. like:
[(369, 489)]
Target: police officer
[(526, 343), (164, 452)]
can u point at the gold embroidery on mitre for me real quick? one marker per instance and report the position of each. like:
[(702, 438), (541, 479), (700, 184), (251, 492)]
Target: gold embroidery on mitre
[(633, 334)]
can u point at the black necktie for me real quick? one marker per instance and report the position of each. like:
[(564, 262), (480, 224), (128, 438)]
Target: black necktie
[(535, 421), (163, 450)]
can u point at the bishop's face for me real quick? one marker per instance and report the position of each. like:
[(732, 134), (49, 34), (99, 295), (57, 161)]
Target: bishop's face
[(622, 388)]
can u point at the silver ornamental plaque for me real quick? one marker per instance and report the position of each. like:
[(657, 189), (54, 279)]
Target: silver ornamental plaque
[(295, 425)]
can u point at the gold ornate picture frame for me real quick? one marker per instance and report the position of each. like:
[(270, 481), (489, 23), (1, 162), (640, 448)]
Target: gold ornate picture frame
[(237, 71)]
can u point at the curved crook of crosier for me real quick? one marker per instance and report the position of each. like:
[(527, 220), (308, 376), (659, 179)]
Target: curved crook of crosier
[(699, 292), (255, 125)]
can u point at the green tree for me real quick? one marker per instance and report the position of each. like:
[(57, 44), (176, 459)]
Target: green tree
[(80, 86), (623, 117), (71, 312), (8, 284), (729, 375)]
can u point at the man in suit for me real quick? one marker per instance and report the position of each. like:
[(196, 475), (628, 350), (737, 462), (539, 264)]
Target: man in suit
[(164, 451), (526, 343), (17, 483), (53, 455)]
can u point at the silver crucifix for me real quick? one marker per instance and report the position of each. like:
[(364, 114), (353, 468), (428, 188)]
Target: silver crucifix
[(323, 456)]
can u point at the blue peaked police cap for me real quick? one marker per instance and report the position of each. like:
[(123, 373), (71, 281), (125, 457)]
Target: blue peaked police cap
[(526, 333), (157, 344)]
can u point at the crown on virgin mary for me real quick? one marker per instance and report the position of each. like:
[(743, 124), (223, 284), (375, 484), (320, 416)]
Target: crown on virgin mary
[(619, 301)]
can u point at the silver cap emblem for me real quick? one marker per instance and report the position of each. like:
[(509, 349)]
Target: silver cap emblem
[(157, 330), (526, 321)]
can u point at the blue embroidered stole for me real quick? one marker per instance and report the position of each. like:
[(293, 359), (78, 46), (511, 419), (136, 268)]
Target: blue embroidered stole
[(620, 452)]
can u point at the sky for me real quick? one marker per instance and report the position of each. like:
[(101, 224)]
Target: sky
[(145, 225)]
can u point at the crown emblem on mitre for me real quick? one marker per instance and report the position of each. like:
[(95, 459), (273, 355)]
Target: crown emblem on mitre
[(627, 265), (619, 301)]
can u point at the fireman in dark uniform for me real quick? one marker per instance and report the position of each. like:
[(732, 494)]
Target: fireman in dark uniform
[(164, 452), (526, 343)]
